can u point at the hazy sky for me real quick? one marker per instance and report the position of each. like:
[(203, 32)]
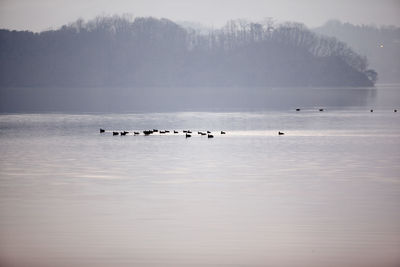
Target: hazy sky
[(39, 15)]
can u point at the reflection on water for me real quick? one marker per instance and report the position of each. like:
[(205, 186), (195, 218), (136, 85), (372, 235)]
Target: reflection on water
[(185, 99), (327, 193)]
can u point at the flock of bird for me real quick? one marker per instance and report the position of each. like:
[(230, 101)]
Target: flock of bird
[(188, 133)]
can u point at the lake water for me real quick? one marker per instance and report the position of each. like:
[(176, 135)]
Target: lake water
[(327, 193)]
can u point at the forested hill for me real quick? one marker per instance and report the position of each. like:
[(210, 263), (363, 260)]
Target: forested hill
[(380, 44), (117, 51)]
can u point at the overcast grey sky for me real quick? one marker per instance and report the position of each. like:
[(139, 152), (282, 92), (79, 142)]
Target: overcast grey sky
[(39, 15)]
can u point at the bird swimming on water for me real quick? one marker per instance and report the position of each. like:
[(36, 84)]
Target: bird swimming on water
[(147, 132)]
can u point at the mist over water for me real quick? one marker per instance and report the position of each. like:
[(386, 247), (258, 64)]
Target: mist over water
[(305, 174), (171, 99), (325, 193)]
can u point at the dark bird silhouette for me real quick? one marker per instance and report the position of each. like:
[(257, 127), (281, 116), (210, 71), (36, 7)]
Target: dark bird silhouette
[(188, 135), (371, 110), (147, 132), (281, 133), (166, 131), (321, 109), (155, 130), (102, 130), (124, 133), (395, 110), (203, 134), (185, 131), (175, 132), (189, 131), (297, 109), (162, 132), (115, 133), (136, 133), (198, 132), (208, 132), (222, 132), (210, 136)]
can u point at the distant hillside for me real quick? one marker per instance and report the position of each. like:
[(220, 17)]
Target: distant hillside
[(380, 45), (116, 51)]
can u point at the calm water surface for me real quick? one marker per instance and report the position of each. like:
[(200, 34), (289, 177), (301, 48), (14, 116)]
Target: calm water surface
[(327, 193)]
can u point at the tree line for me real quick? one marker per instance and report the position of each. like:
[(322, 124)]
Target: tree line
[(380, 44), (125, 51)]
